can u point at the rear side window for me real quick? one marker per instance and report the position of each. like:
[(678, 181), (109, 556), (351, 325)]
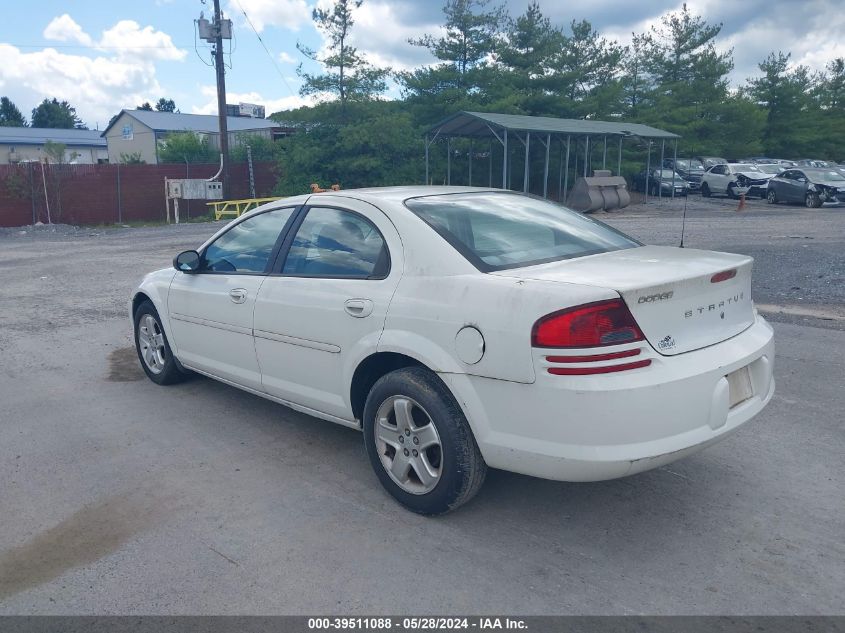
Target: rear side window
[(496, 231), (337, 243)]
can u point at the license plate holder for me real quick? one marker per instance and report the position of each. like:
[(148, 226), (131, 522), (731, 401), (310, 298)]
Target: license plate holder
[(739, 386)]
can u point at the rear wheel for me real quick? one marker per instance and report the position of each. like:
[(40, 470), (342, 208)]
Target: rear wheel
[(705, 190), (153, 349), (813, 201), (419, 442), (771, 196)]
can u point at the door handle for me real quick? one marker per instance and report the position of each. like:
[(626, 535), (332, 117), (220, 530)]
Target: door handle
[(237, 295), (358, 308)]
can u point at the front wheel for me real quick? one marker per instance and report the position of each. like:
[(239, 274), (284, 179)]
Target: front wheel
[(705, 190), (419, 442), (771, 196), (732, 194), (153, 348), (813, 201)]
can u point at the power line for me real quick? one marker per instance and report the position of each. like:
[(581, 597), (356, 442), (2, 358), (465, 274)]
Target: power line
[(266, 50)]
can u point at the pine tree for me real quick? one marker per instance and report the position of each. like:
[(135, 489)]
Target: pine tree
[(349, 76), (10, 116)]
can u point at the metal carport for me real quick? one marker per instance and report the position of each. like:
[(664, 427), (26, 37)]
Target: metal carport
[(503, 127)]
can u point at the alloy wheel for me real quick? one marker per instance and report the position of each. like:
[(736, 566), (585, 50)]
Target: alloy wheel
[(151, 343), (408, 445)]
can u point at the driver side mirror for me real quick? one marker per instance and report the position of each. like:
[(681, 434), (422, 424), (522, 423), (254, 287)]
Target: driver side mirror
[(187, 262)]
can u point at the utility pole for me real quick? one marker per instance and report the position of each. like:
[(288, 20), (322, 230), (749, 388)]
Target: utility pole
[(221, 95)]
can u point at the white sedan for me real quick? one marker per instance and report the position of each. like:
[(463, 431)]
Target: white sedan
[(462, 328), (735, 179)]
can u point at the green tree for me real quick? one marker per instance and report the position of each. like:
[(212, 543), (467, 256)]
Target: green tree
[(10, 116), (166, 105), (263, 149), (379, 146), (636, 83), (348, 76), (146, 106), (464, 78), (52, 113), (586, 72), (526, 56), (186, 147), (687, 78), (131, 158), (785, 95)]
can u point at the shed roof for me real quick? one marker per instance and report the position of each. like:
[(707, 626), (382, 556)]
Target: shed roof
[(478, 124), (40, 135), (178, 122)]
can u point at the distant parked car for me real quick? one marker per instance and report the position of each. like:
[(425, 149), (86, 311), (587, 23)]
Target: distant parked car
[(734, 179), (710, 161), (783, 163), (690, 169), (815, 163), (773, 169), (813, 187), (661, 179)]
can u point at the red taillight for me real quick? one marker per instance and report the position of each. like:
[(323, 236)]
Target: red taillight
[(589, 325), (723, 276)]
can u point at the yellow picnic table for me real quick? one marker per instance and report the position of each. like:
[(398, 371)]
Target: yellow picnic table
[(235, 208)]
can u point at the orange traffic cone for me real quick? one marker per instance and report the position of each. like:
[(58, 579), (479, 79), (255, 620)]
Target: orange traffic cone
[(741, 202)]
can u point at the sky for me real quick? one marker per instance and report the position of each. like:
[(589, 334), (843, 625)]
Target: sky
[(104, 56)]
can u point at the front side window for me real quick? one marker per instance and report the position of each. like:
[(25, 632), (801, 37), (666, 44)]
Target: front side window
[(336, 243), (496, 231), (247, 246)]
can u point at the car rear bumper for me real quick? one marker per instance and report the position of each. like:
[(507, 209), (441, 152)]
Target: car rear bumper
[(590, 428)]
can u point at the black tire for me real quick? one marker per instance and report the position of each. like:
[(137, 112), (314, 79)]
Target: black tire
[(462, 468), (169, 373), (812, 200), (705, 190), (732, 191), (772, 196)]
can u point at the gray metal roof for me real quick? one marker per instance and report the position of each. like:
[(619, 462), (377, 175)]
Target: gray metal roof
[(40, 135), (476, 124), (178, 122)]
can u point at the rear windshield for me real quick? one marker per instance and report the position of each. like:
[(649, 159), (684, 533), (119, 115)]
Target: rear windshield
[(495, 231)]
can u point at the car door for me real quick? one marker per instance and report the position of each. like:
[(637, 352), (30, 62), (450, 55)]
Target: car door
[(211, 309), (792, 187), (718, 180), (323, 308)]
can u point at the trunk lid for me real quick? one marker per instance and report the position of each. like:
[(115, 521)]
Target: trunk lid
[(669, 291)]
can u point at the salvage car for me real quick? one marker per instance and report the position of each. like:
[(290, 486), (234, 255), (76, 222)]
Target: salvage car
[(710, 161), (734, 179), (812, 187), (661, 182), (690, 169), (466, 328)]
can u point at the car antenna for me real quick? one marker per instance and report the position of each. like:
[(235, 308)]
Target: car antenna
[(684, 220)]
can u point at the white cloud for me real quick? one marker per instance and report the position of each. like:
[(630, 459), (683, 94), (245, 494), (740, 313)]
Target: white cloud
[(381, 32), (65, 29), (270, 105), (121, 74), (128, 39), (287, 14), (286, 58)]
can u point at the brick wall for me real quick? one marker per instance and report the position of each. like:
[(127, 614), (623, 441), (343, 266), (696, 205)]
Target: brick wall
[(105, 194)]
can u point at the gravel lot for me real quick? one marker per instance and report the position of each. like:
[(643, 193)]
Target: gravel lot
[(122, 497)]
